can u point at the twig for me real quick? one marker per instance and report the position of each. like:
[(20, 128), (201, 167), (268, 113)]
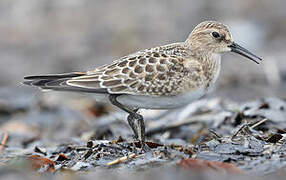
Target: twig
[(238, 131), (167, 128), (4, 140), (184, 122), (196, 119), (124, 159), (243, 127), (258, 123), (216, 136)]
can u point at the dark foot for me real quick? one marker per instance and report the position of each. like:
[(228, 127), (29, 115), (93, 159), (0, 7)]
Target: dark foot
[(134, 148)]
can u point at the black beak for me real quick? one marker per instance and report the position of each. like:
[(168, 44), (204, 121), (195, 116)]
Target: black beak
[(244, 52)]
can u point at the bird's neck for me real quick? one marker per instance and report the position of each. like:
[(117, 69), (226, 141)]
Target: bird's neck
[(211, 64)]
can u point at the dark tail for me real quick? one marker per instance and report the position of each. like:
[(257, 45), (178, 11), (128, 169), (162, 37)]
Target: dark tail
[(58, 82)]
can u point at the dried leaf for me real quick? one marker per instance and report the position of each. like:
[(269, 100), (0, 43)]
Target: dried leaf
[(40, 163), (149, 143), (274, 138), (203, 165), (62, 157)]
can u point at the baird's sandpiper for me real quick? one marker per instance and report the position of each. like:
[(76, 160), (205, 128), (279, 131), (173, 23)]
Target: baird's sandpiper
[(163, 77)]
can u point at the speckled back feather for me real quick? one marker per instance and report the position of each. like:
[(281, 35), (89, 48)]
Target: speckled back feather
[(156, 71)]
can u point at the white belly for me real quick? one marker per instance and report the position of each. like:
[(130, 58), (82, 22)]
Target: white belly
[(165, 102)]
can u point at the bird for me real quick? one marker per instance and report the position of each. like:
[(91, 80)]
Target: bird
[(164, 77)]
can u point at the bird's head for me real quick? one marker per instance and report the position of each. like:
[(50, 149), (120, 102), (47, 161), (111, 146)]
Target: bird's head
[(215, 37)]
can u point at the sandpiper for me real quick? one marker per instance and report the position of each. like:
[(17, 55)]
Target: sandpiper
[(163, 77)]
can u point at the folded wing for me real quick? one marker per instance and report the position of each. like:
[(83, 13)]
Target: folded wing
[(157, 71)]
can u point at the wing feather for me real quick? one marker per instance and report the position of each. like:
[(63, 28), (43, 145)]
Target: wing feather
[(58, 82), (163, 70), (154, 72)]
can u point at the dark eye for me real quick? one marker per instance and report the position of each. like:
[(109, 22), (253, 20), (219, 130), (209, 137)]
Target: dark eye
[(215, 34)]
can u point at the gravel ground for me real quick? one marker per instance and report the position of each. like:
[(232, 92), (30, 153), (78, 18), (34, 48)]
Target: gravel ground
[(65, 135)]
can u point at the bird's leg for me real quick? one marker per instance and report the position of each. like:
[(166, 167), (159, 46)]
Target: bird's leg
[(113, 100), (131, 117), (140, 129), (132, 125)]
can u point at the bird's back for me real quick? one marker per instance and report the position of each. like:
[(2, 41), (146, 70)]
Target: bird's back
[(160, 71)]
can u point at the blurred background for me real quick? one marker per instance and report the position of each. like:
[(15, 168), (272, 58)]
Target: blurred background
[(57, 36), (52, 36)]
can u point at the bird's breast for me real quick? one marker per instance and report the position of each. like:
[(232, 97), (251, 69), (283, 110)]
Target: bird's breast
[(212, 69), (161, 102)]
